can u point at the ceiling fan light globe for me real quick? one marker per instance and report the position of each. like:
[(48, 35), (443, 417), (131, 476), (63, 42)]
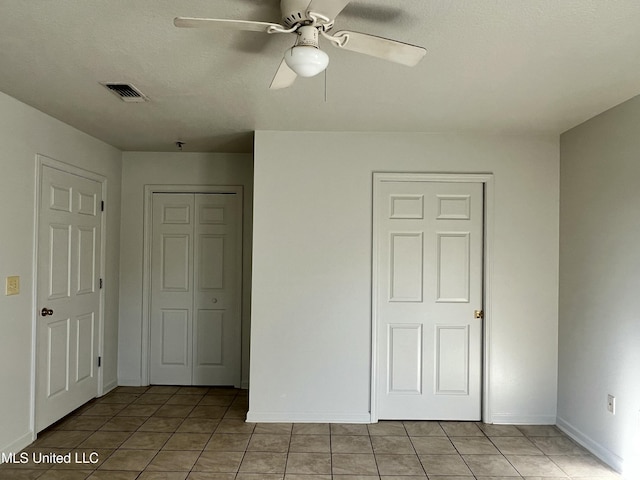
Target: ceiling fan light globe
[(306, 61)]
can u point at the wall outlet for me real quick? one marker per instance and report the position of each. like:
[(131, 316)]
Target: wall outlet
[(611, 404), (12, 285)]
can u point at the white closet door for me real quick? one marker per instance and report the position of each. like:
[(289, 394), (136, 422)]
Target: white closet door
[(428, 265), (196, 268), (217, 327), (172, 289)]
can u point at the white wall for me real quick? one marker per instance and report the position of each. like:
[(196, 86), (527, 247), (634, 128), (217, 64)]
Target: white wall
[(25, 132), (599, 336), (310, 337), (150, 168)]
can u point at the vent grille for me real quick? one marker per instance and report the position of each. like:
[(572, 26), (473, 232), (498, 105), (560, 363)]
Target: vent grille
[(126, 92)]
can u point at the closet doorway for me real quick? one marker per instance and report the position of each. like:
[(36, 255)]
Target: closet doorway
[(195, 288)]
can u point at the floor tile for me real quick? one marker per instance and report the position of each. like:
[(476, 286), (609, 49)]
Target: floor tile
[(349, 429), (263, 462), (21, 473), (138, 411), (152, 399), (387, 428), (311, 429), (104, 409), (582, 466), (160, 424), (228, 442), (123, 424), (64, 474), (146, 441), (274, 428), (491, 430), (163, 389), (399, 464), (173, 461), (540, 430), (269, 443), (535, 466), (135, 460), (424, 429), (218, 462), (162, 476), (295, 476), (198, 425), (125, 398), (309, 463), (80, 422), (558, 446), (187, 441), (216, 400), (63, 439), (444, 465), (353, 464), (105, 439), (474, 445), (461, 429), (356, 477), (178, 411), (393, 445), (433, 446), (351, 444), (193, 390), (490, 466), (185, 400), (207, 411), (515, 446), (234, 426), (310, 444), (211, 476), (113, 475)]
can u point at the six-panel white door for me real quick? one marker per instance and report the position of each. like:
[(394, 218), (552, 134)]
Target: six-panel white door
[(195, 325), (68, 294), (428, 270)]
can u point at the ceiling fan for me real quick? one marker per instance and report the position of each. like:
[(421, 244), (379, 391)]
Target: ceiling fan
[(310, 19)]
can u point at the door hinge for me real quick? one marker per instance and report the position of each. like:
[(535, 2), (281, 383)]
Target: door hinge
[(100, 283), (102, 206), (99, 361)]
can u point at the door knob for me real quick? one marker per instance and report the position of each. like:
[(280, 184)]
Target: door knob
[(46, 311)]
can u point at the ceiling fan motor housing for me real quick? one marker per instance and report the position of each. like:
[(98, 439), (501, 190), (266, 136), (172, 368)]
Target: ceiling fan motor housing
[(294, 12)]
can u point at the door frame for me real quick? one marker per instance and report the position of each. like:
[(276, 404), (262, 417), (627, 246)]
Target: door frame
[(149, 190), (487, 180), (41, 162)]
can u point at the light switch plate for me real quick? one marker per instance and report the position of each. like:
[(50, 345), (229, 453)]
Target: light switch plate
[(13, 285)]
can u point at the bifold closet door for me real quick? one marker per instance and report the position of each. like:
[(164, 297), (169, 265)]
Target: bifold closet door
[(195, 287)]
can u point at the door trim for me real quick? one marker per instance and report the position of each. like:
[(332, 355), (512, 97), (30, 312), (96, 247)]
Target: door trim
[(487, 180), (42, 161), (149, 190)]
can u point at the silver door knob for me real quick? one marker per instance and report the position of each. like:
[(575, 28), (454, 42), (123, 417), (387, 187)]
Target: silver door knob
[(214, 300)]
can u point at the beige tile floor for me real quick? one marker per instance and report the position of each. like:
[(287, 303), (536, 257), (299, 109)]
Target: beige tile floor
[(197, 433)]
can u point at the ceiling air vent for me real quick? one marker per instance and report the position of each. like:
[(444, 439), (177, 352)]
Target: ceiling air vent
[(126, 92)]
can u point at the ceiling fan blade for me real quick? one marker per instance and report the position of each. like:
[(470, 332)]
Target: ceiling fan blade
[(224, 24), (284, 77), (380, 47), (330, 8)]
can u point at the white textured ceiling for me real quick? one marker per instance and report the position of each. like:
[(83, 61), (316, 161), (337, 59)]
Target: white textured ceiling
[(508, 66)]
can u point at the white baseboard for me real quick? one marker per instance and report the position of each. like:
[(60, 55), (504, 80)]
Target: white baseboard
[(244, 385), (18, 444), (129, 382), (109, 386), (512, 419), (262, 417), (604, 454)]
